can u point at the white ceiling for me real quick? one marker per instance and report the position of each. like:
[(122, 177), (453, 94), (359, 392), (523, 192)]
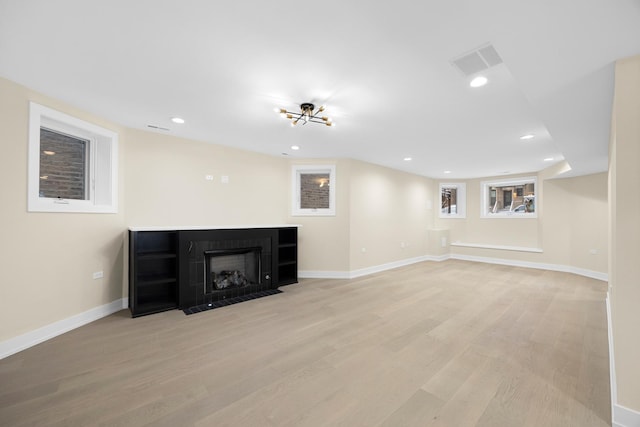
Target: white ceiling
[(382, 69)]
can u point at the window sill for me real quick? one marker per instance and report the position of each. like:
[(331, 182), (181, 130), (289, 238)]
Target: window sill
[(497, 247)]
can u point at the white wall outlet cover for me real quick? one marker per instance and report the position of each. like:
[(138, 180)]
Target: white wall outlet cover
[(224, 179), (443, 242), (98, 275), (209, 177)]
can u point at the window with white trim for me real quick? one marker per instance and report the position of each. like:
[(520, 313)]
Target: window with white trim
[(73, 164), (453, 200), (509, 198), (314, 190)]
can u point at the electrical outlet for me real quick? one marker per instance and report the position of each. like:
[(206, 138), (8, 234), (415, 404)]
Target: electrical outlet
[(98, 275), (209, 177), (224, 179), (593, 252), (443, 242)]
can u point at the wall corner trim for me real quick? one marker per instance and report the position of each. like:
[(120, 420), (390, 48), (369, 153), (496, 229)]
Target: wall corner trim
[(24, 341)]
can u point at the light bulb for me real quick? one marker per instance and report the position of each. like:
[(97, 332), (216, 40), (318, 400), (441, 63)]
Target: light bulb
[(479, 81)]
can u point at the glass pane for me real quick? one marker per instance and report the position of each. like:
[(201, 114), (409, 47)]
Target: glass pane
[(63, 166), (512, 198), (314, 190), (449, 203)]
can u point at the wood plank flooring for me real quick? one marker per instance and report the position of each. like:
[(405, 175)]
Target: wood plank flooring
[(433, 344)]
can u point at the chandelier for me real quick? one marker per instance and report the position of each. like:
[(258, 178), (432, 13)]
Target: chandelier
[(306, 115)]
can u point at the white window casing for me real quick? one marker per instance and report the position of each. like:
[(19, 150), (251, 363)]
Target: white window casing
[(102, 163)]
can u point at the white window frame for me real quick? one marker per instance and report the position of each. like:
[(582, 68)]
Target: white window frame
[(296, 172), (461, 199), (102, 195), (485, 187)]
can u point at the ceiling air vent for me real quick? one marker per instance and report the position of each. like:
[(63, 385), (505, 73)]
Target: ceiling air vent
[(480, 59)]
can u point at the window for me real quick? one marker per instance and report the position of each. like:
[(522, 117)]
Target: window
[(313, 190), (453, 200), (515, 198), (72, 164)]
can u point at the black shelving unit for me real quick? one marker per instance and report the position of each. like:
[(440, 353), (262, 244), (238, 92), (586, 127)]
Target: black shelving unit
[(159, 269), (153, 271), (287, 255)]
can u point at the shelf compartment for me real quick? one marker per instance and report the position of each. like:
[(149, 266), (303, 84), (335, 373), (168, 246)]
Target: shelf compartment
[(288, 236)]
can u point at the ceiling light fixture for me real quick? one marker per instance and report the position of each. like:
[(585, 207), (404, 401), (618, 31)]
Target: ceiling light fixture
[(295, 147), (407, 159), (479, 81), (548, 159), (526, 137), (307, 114), (447, 171), (177, 120)]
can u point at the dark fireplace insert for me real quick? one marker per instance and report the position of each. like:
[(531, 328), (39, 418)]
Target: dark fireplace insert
[(231, 268)]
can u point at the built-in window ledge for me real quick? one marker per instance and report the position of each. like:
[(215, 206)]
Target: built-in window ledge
[(497, 247), (209, 227)]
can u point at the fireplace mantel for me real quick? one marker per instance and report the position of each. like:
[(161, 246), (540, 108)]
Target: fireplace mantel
[(210, 227), (165, 263)]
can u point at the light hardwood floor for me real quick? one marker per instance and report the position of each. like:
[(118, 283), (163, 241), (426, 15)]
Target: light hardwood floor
[(433, 344)]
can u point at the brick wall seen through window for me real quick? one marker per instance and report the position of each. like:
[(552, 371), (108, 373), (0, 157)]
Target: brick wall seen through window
[(314, 191), (63, 166)]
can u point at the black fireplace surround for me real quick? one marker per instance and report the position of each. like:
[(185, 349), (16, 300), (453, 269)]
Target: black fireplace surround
[(203, 247), (171, 269)]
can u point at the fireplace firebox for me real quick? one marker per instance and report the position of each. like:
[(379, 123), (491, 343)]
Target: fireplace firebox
[(231, 268)]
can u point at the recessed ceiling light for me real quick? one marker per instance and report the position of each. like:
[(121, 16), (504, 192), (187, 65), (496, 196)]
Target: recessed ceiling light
[(548, 159), (49, 153), (407, 159), (447, 171), (295, 147), (177, 120), (526, 137), (479, 81)]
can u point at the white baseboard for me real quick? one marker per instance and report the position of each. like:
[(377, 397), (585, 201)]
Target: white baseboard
[(388, 266), (319, 274), (498, 247), (322, 274), (24, 341), (537, 265), (621, 415), (624, 417)]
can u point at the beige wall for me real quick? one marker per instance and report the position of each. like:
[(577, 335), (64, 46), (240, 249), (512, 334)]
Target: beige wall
[(571, 225), (379, 209), (48, 258), (323, 241), (390, 215), (166, 185), (624, 175)]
